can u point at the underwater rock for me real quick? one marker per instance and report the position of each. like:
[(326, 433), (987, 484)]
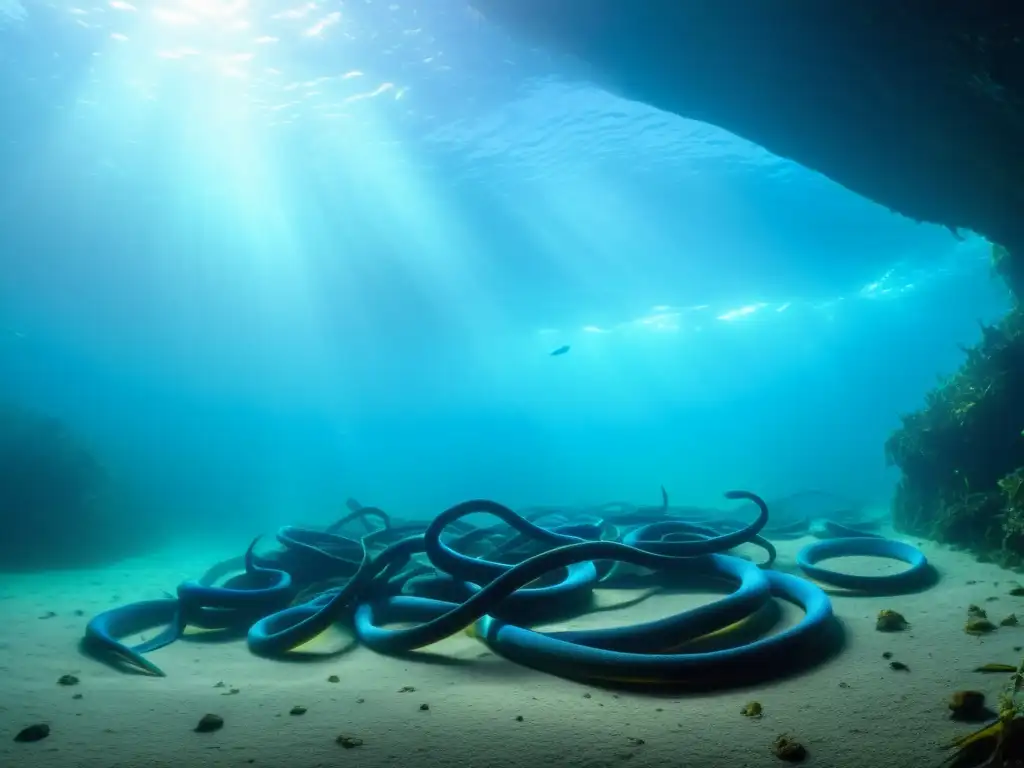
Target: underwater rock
[(753, 709), (944, 89), (967, 705), (58, 507), (35, 732), (208, 723)]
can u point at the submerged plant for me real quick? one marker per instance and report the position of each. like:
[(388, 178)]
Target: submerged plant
[(1000, 743), (962, 453), (1010, 268)]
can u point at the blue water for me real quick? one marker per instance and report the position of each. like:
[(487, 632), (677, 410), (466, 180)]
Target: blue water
[(263, 257)]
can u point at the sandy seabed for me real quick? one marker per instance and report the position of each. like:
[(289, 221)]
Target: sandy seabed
[(463, 706)]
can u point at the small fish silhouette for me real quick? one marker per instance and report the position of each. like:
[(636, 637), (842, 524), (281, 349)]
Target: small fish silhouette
[(560, 351)]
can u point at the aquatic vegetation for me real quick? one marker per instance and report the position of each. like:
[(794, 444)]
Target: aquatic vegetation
[(1009, 268), (998, 744), (787, 748), (753, 709), (977, 625), (962, 453)]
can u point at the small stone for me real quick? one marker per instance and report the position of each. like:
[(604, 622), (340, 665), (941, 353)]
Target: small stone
[(333, 679), (976, 625), (297, 710), (35, 732), (348, 742), (967, 705), (77, 696), (407, 689), (890, 621), (519, 718), (789, 749), (67, 680), (360, 701), (752, 709), (208, 723), (424, 707)]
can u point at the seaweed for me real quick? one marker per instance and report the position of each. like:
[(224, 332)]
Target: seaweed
[(962, 454), (1010, 269), (998, 744)]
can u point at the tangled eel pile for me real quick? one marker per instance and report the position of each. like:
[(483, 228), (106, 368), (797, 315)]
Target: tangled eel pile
[(498, 581)]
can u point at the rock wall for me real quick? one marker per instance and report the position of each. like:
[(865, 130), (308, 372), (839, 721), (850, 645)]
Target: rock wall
[(58, 507), (916, 105)]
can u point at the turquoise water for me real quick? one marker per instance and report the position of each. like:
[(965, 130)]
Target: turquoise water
[(263, 263), (260, 258)]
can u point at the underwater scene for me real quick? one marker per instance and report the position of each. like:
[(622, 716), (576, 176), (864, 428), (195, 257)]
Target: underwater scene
[(378, 388)]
